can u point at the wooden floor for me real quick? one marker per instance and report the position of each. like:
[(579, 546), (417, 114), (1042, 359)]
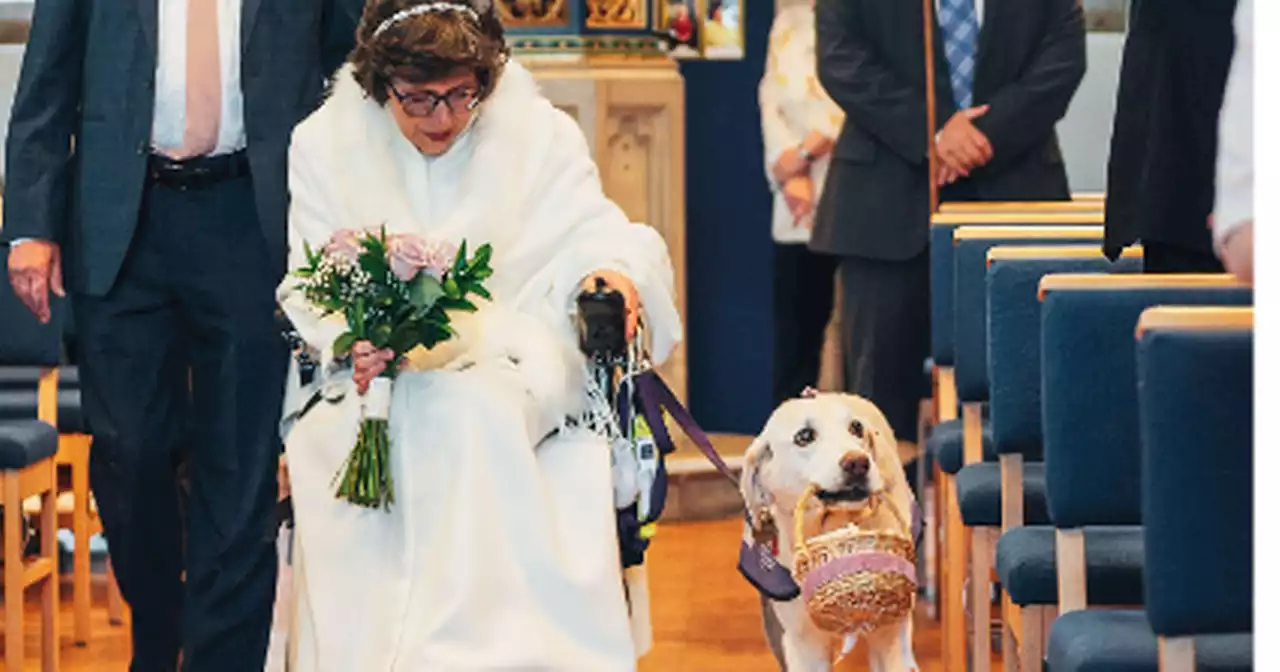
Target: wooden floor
[(706, 618)]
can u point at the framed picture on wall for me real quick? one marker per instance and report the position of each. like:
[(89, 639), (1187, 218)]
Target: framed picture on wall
[(679, 21), (1106, 16), (723, 35)]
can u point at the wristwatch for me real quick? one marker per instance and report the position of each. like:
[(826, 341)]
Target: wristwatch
[(805, 154)]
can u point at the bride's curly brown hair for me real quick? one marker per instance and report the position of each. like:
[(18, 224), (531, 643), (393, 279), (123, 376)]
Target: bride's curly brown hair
[(428, 46)]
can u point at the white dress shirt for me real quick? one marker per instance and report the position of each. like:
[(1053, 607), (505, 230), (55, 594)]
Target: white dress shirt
[(170, 121), (1233, 203)]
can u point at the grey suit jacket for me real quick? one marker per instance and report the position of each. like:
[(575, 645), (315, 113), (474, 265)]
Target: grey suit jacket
[(80, 126)]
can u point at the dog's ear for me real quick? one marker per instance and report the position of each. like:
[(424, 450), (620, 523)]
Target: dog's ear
[(753, 491)]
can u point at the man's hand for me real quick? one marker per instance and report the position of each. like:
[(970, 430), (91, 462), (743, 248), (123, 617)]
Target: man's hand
[(789, 165), (961, 146), (631, 297), (368, 363), (799, 194), (1237, 253), (283, 488), (35, 269)]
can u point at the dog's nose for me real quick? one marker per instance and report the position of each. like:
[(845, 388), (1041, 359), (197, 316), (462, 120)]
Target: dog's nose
[(855, 466)]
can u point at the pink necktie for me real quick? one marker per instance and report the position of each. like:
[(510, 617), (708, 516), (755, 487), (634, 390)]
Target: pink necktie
[(204, 79)]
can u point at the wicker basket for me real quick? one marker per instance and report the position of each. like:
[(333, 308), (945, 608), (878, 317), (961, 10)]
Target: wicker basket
[(853, 580)]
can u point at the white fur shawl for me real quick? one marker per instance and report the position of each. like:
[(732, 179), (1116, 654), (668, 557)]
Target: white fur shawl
[(524, 181)]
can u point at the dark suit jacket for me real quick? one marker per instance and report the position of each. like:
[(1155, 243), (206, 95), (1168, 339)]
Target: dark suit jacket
[(80, 126), (875, 204), (1160, 175)]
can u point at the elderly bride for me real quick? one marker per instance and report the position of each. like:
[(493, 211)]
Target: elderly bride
[(500, 550)]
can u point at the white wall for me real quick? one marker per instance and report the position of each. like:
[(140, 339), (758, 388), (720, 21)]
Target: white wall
[(1085, 133)]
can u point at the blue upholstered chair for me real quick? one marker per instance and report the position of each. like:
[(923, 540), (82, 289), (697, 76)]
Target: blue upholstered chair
[(1090, 406), (1194, 386), (975, 508), (27, 469), (1024, 555), (947, 429)]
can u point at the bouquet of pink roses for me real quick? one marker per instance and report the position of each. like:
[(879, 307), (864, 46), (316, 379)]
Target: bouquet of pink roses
[(395, 291)]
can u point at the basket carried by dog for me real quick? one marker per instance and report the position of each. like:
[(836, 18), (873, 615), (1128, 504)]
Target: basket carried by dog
[(855, 580)]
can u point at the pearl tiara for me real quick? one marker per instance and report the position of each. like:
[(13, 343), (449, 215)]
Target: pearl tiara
[(429, 8)]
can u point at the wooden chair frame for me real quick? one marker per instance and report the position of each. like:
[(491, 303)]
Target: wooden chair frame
[(1025, 207), (37, 480)]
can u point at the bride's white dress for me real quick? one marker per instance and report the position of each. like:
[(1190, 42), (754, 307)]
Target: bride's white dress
[(500, 551)]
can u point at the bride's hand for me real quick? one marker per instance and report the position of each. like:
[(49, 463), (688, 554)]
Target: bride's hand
[(631, 297), (369, 363)]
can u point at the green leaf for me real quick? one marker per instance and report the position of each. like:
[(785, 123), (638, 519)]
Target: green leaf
[(380, 336), (483, 255), (405, 337), (482, 293), (424, 291), (451, 288), (460, 261), (342, 344)]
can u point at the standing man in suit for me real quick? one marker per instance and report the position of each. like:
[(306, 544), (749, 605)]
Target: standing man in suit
[(146, 161), (1160, 174), (1006, 71)]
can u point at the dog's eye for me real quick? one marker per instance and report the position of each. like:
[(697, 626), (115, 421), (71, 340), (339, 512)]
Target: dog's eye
[(856, 429), (805, 436)]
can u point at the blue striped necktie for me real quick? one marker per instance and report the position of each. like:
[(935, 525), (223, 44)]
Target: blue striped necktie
[(959, 23)]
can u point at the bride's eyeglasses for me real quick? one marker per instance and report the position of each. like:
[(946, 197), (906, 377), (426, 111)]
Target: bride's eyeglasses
[(425, 103)]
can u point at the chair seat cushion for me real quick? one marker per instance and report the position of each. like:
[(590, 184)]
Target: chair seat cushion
[(978, 491), (1027, 564), (22, 405), (1109, 640), (27, 377), (26, 442), (946, 445)]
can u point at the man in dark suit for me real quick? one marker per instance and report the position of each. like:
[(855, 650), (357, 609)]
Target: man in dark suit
[(146, 160), (1006, 71), (1160, 175)]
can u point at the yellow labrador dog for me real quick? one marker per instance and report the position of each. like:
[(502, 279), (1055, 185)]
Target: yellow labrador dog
[(843, 445)]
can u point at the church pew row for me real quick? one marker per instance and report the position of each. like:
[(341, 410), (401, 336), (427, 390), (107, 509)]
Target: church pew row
[(954, 443), (940, 365), (1091, 432), (994, 497), (1194, 396)]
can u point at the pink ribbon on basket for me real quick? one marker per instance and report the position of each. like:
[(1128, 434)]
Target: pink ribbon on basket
[(858, 562)]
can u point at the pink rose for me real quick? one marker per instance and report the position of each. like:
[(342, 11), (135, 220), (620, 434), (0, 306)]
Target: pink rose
[(440, 257), (344, 244), (407, 255)]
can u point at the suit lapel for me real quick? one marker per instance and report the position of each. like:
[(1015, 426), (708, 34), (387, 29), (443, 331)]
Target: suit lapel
[(993, 23), (990, 24), (248, 19), (148, 16)]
